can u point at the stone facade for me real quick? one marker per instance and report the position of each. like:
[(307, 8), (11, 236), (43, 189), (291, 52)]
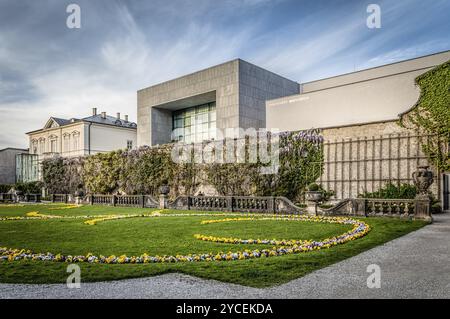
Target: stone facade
[(79, 137)]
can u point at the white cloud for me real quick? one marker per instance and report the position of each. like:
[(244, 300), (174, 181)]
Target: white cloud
[(123, 49)]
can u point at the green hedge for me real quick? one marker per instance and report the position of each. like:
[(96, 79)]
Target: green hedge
[(392, 191), (26, 188)]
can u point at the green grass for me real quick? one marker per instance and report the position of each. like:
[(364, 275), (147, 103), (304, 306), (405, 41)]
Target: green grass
[(173, 235)]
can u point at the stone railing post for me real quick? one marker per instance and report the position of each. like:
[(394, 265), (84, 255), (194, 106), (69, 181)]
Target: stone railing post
[(230, 203), (113, 200), (188, 199), (271, 205), (163, 196), (142, 199), (359, 206), (163, 201)]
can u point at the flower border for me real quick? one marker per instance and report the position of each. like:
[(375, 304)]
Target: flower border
[(282, 247)]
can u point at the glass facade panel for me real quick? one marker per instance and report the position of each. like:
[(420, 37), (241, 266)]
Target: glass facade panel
[(195, 124), (27, 168)]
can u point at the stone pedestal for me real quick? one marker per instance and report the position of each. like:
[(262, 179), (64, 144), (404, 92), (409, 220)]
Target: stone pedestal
[(359, 207), (311, 208), (163, 201), (423, 178), (423, 208)]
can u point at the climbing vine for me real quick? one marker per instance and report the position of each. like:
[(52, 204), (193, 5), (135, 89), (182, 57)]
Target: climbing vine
[(431, 115), (300, 163)]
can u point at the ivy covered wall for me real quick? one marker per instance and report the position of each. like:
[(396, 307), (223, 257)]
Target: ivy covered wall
[(144, 170), (431, 115)]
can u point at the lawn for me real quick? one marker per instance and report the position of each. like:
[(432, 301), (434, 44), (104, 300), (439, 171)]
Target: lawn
[(173, 235)]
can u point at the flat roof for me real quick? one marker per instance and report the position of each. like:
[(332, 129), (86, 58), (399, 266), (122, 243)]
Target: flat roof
[(375, 67), (212, 67)]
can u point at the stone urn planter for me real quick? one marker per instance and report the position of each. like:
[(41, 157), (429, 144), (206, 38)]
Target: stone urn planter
[(164, 189), (314, 197), (423, 178)]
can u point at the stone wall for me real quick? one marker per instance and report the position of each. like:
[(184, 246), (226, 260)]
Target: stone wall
[(365, 157)]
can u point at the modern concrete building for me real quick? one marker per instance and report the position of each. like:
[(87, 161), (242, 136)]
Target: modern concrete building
[(229, 95), (97, 133), (10, 164), (372, 95)]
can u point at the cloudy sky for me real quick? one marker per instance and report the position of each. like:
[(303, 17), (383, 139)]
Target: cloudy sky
[(47, 69)]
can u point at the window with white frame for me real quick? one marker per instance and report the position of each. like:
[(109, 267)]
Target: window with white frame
[(76, 140), (34, 147), (66, 142), (42, 146), (195, 124), (53, 144), (129, 144)]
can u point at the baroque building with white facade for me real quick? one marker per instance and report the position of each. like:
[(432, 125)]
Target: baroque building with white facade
[(97, 133)]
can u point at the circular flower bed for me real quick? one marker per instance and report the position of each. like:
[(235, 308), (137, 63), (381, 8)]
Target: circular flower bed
[(279, 246)]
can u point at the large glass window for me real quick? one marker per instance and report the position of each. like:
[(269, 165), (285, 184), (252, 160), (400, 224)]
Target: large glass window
[(195, 124)]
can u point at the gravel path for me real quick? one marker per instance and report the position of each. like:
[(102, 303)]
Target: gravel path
[(414, 266)]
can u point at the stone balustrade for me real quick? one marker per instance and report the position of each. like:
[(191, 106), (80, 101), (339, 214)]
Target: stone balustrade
[(366, 207)]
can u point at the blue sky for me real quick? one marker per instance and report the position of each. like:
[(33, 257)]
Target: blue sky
[(47, 69)]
